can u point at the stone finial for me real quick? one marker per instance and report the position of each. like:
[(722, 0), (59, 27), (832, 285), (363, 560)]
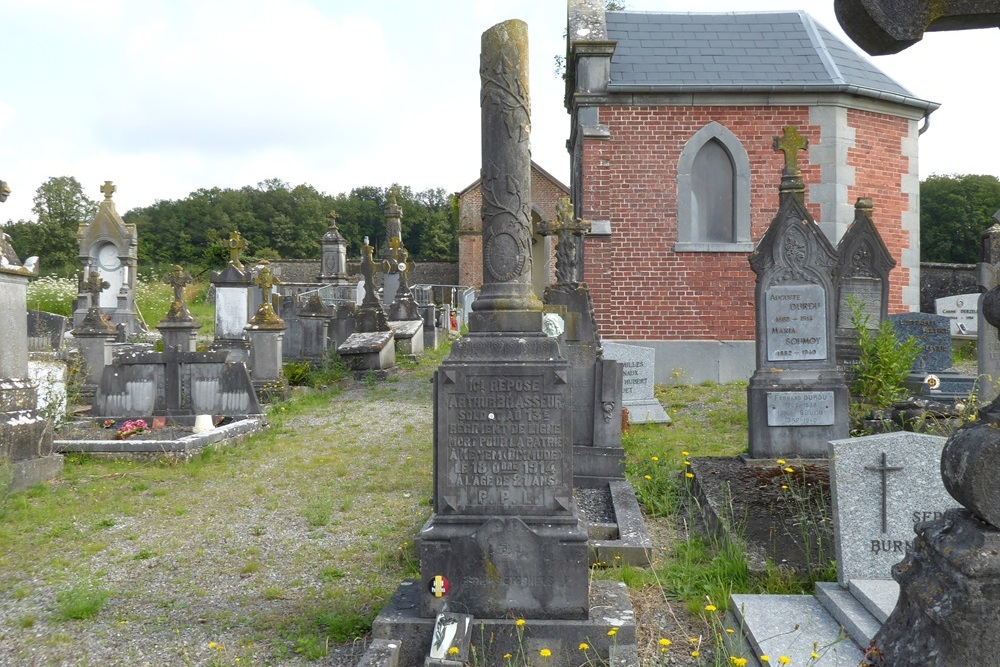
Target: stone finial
[(790, 143), (108, 189), (235, 244), (266, 318), (864, 206)]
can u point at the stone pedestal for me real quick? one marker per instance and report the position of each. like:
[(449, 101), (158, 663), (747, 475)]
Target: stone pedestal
[(794, 413), (95, 351), (181, 336), (428, 315), (265, 364)]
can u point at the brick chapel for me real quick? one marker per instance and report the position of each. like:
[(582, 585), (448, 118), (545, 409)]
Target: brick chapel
[(672, 121)]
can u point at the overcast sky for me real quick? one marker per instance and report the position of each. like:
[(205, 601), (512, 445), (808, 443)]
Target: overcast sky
[(164, 97)]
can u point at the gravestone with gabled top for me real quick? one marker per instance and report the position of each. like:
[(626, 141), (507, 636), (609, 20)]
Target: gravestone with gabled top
[(861, 277), (797, 398), (333, 245), (109, 247)]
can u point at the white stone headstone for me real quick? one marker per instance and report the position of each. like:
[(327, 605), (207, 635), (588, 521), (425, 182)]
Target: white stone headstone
[(638, 365), (962, 310)]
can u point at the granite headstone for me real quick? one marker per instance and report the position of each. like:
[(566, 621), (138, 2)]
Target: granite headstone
[(962, 310), (933, 332), (638, 366)]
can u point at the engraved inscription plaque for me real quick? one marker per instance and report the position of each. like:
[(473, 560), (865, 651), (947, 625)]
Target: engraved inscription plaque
[(800, 408), (868, 294), (508, 444), (795, 320)]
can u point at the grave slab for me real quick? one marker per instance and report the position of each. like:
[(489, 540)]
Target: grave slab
[(638, 366)]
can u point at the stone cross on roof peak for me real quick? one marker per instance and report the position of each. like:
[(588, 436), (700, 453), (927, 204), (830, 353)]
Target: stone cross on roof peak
[(108, 189), (790, 143)]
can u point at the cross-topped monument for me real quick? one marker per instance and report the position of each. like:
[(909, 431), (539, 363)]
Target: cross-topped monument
[(95, 285), (403, 307), (368, 273), (234, 244), (266, 318), (790, 143), (178, 279), (108, 189)]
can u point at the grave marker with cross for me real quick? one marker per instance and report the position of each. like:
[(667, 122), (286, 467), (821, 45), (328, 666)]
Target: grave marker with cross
[(178, 278), (884, 469), (235, 244)]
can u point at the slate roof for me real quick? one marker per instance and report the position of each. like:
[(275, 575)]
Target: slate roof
[(741, 52)]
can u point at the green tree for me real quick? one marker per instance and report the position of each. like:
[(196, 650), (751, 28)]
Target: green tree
[(954, 212), (61, 207)]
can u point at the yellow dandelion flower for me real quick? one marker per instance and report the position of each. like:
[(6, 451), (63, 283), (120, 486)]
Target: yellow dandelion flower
[(212, 644), (545, 653), (687, 463), (647, 477), (710, 607), (814, 655), (789, 469), (685, 454), (453, 650), (695, 653), (693, 640), (506, 656), (780, 462), (738, 662), (612, 632), (730, 631), (689, 475), (784, 486), (765, 658), (520, 623), (784, 659), (654, 458), (664, 642), (584, 646)]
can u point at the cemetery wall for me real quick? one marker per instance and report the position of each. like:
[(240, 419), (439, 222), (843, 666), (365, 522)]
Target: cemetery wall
[(423, 273), (940, 280)]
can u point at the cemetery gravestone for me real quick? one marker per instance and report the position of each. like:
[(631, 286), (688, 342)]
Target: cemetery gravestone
[(393, 233), (178, 327), (94, 336), (371, 346), (333, 268), (265, 332), (861, 277), (638, 366), (962, 310), (232, 303), (26, 452), (797, 398), (881, 486), (110, 247), (933, 332)]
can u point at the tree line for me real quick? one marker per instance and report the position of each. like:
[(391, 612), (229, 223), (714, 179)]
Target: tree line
[(277, 220), (281, 221)]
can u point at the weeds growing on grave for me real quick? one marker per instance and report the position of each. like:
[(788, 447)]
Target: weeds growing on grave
[(803, 495)]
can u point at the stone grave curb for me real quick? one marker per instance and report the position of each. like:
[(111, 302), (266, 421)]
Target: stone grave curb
[(610, 607), (181, 448), (632, 546)]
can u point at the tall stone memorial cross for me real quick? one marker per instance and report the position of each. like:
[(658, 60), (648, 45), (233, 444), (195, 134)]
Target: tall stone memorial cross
[(235, 244), (265, 316), (797, 398), (95, 285), (398, 262), (505, 533), (178, 279)]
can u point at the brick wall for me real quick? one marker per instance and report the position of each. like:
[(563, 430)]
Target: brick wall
[(642, 289)]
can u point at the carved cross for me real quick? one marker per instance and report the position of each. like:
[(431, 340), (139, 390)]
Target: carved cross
[(884, 469), (177, 279), (333, 218), (265, 280), (569, 250), (235, 244), (95, 285), (790, 143), (108, 189)]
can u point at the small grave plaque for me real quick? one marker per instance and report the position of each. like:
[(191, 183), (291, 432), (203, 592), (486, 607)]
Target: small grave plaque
[(800, 408), (796, 322), (933, 332), (962, 310), (867, 293), (881, 486)]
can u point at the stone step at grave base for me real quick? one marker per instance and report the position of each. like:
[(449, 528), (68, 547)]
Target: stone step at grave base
[(625, 542), (610, 607), (791, 625), (30, 472), (765, 623)]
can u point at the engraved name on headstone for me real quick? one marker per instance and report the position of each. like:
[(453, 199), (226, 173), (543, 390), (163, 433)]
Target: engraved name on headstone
[(800, 408), (962, 310), (933, 332), (796, 322)]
